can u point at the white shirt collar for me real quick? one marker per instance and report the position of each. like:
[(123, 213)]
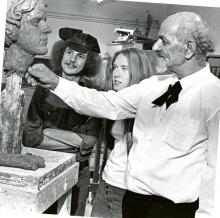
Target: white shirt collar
[(195, 77)]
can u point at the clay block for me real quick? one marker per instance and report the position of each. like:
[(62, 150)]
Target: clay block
[(56, 163), (23, 161)]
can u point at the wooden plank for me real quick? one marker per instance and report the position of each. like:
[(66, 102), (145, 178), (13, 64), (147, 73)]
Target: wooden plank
[(56, 163), (12, 104), (21, 199), (56, 188), (64, 204)]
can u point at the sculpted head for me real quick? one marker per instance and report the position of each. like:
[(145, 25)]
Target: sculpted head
[(26, 26)]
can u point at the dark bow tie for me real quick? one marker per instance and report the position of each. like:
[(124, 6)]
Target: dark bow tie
[(170, 96)]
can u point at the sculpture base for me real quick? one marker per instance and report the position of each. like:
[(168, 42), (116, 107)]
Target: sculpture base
[(56, 163), (34, 191)]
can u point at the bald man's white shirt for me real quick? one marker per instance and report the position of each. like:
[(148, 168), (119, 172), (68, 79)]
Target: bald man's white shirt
[(173, 150)]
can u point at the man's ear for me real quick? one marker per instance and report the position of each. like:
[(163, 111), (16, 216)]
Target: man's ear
[(190, 49)]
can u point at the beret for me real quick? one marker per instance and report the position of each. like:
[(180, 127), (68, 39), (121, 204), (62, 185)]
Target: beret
[(79, 41)]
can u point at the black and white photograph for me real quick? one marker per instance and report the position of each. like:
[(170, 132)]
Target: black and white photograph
[(110, 108)]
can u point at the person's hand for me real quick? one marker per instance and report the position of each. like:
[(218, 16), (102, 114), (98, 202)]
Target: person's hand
[(39, 74)]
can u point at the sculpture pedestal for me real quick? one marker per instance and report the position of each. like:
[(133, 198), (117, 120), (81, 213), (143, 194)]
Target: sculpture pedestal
[(11, 121), (35, 191)]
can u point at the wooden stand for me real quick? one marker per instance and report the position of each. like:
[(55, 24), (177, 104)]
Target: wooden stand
[(35, 191), (12, 104)]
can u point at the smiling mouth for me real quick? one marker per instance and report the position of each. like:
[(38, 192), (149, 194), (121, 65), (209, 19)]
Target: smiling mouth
[(71, 66)]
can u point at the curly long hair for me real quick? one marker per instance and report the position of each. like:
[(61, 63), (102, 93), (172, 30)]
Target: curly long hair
[(90, 69)]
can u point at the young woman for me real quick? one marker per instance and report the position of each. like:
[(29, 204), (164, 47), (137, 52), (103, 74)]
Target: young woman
[(53, 125), (129, 66)]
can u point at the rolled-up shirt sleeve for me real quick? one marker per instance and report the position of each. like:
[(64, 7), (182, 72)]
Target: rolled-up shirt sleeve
[(110, 105)]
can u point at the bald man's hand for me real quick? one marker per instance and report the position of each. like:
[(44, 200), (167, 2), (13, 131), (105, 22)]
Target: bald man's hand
[(41, 75)]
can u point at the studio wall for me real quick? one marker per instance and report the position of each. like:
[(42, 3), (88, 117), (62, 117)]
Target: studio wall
[(101, 20)]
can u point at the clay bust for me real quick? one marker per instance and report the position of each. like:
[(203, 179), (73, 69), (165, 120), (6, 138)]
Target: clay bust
[(26, 36)]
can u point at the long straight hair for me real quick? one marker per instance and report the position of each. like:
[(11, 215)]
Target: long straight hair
[(141, 65)]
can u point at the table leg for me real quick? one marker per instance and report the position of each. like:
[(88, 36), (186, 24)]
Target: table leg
[(64, 204)]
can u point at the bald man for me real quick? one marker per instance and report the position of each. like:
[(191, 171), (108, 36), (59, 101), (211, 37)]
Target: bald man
[(173, 157)]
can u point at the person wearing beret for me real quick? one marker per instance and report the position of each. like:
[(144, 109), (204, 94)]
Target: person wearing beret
[(53, 125)]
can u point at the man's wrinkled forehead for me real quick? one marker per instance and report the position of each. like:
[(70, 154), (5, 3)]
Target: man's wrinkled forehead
[(168, 28), (172, 23), (75, 49)]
